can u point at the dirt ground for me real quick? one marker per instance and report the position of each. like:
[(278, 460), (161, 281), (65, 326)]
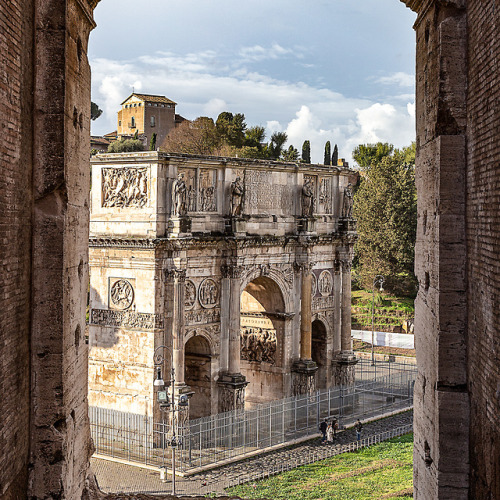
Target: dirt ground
[(359, 345)]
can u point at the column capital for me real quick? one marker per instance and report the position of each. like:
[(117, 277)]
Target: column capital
[(303, 267), (231, 271), (175, 275)]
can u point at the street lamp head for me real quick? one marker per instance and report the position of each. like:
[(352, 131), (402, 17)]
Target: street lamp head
[(183, 400), (158, 381)]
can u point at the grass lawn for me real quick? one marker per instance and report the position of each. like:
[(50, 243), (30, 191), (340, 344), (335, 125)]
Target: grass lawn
[(381, 471)]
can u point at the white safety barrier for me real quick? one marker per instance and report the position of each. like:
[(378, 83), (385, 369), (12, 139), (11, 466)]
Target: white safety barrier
[(401, 340)]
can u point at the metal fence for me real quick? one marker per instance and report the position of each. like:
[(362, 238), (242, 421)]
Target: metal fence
[(232, 435)]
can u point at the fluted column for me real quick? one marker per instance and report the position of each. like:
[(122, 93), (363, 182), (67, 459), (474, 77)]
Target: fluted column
[(343, 364), (306, 314), (346, 343), (231, 382), (304, 369), (337, 307), (175, 283)]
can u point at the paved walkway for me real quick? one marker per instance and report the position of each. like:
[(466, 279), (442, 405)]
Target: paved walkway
[(116, 477)]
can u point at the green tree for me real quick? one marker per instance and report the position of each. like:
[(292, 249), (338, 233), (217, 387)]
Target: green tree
[(290, 154), (385, 206), (95, 111), (136, 135), (125, 146), (193, 137), (328, 153), (275, 146), (231, 128), (306, 152), (254, 137), (335, 156), (371, 154), (152, 142)]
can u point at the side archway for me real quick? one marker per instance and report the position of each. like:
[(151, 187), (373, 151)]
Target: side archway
[(319, 352), (197, 375)]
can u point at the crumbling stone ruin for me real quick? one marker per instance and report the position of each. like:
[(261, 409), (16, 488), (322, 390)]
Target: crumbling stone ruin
[(45, 96)]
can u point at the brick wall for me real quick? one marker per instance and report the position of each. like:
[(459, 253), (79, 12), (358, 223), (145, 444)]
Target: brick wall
[(15, 234), (483, 245)]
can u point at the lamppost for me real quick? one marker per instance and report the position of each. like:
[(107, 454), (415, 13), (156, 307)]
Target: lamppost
[(168, 404), (378, 281)]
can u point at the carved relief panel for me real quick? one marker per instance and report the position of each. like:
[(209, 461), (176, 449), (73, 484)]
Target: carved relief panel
[(125, 187), (325, 195), (189, 295), (121, 293), (262, 194), (207, 191), (258, 344), (323, 297), (209, 293), (190, 181)]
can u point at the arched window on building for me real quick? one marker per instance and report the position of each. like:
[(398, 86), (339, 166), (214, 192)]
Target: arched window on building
[(153, 122)]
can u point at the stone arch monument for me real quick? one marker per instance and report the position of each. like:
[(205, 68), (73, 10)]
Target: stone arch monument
[(241, 278)]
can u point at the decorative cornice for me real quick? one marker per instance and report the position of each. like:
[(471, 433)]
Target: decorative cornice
[(220, 241)]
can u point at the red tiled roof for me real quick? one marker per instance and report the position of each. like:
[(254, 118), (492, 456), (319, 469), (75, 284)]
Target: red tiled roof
[(150, 98)]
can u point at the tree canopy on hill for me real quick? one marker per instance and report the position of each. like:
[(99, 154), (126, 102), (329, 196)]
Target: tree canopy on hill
[(126, 146), (385, 206), (227, 136)]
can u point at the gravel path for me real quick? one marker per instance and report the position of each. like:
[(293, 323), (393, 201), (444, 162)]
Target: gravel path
[(116, 477)]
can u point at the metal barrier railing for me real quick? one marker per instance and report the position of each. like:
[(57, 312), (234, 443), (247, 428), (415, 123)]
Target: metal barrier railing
[(232, 435)]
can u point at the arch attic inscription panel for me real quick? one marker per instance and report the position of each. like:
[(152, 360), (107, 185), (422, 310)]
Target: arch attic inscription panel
[(228, 262)]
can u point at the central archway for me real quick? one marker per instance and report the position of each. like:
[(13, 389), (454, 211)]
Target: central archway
[(261, 335)]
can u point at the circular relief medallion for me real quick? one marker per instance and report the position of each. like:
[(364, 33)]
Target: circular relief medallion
[(314, 285), (122, 294), (325, 283), (209, 293), (189, 294)]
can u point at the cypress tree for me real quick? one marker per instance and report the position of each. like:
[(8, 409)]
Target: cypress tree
[(306, 152), (152, 142), (328, 153), (335, 156)]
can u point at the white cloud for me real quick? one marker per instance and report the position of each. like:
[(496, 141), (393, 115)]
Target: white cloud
[(202, 85), (214, 107), (258, 53), (399, 78)]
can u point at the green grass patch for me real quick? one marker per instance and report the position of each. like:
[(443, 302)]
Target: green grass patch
[(381, 471)]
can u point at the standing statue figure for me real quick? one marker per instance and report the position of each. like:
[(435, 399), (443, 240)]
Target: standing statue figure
[(179, 196), (307, 199), (237, 191), (347, 206)]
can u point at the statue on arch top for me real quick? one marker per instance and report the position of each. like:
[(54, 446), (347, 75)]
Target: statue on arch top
[(347, 204), (237, 192), (179, 191)]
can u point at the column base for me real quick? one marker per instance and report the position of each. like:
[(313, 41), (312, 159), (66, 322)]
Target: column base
[(231, 392), (179, 226), (306, 225), (303, 376), (236, 226), (343, 368), (347, 225)]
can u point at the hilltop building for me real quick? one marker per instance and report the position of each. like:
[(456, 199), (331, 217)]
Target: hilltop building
[(145, 115)]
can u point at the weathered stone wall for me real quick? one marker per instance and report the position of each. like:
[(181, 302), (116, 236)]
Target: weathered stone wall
[(483, 245), (16, 76), (441, 400)]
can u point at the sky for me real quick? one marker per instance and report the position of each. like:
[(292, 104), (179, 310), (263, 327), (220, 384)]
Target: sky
[(319, 70)]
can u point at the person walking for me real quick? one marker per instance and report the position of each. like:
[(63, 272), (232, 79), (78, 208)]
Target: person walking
[(335, 426), (322, 427), (329, 433), (358, 428)]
